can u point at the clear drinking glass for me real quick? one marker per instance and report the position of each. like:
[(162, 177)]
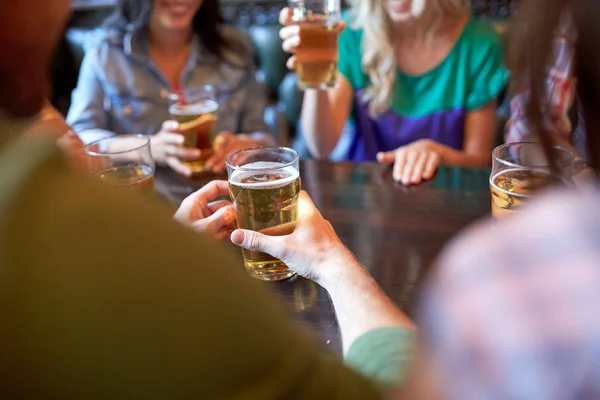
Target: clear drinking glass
[(123, 160), (521, 170), (264, 184), (196, 111), (317, 54)]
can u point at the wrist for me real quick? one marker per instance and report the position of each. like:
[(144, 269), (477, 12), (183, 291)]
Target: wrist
[(340, 270)]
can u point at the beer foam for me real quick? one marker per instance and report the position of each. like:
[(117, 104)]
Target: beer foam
[(260, 166), (202, 107)]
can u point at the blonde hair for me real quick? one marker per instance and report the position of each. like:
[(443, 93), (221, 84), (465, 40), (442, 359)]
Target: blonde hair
[(378, 48)]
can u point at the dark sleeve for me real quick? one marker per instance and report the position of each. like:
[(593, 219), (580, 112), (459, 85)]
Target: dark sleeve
[(105, 296)]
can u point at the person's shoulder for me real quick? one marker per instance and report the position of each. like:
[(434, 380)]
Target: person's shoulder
[(103, 43)]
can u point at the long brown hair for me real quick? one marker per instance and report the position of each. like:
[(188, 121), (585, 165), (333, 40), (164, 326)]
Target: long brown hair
[(530, 53)]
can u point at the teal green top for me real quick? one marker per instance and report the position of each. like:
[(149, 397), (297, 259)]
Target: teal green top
[(433, 105), (104, 296)]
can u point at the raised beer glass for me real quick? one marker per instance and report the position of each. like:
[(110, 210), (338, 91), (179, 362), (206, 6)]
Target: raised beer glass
[(317, 54), (123, 160), (520, 171), (264, 184), (196, 111)]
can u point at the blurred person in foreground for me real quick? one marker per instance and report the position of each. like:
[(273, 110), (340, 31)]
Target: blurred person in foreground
[(512, 311), (417, 87), (105, 296), (151, 48)]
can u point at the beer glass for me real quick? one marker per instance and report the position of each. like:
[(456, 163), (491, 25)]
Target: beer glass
[(317, 54), (521, 170), (123, 160), (264, 184), (196, 111)]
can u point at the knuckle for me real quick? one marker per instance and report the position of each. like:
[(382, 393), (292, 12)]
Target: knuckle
[(253, 241)]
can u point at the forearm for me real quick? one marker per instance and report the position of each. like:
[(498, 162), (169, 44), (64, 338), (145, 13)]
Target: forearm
[(360, 304), (319, 127)]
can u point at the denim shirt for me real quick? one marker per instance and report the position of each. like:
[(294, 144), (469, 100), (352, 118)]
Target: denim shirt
[(121, 90)]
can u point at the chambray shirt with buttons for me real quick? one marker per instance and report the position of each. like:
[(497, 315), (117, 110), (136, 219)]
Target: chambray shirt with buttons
[(120, 89)]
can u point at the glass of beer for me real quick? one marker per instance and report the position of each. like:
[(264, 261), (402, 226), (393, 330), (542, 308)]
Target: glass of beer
[(196, 112), (521, 170), (317, 54), (264, 184), (123, 160)]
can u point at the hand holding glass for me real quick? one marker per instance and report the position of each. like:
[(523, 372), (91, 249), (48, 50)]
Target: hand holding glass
[(264, 184)]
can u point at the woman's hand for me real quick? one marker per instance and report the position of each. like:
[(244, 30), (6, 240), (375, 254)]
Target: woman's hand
[(204, 211), (227, 143), (413, 163), (292, 39), (167, 148), (313, 250)]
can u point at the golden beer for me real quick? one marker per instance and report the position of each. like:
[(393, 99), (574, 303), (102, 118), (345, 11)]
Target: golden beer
[(134, 177), (317, 54), (202, 137), (266, 201), (511, 188)]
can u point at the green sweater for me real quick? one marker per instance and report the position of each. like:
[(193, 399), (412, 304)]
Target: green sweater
[(102, 295)]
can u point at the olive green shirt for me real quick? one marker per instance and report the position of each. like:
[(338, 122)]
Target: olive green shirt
[(102, 295)]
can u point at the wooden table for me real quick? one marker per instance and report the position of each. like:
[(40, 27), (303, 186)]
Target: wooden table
[(395, 231)]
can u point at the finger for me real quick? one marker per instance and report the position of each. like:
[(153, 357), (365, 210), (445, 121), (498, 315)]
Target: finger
[(386, 157), (196, 205), (340, 27), (290, 45), (285, 16), (170, 126), (255, 241), (213, 206), (399, 165), (419, 168), (291, 63), (176, 165), (214, 223), (411, 159), (183, 153), (288, 32), (212, 191), (431, 166), (172, 138)]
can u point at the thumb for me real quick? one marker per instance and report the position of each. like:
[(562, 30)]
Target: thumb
[(255, 241), (386, 157), (212, 224)]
